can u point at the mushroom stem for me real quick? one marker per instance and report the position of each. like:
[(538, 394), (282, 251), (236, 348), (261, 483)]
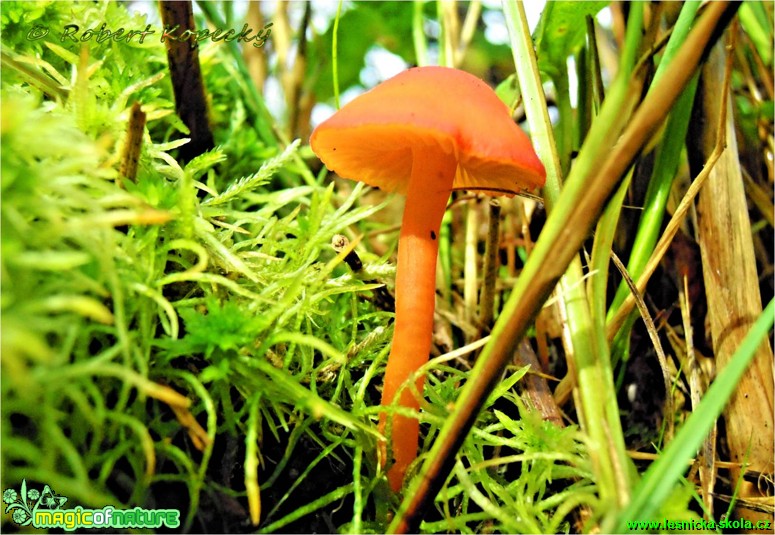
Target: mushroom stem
[(426, 200)]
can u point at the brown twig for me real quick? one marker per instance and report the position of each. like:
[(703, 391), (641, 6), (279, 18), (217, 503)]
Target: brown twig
[(296, 74), (132, 145), (255, 57), (490, 268), (535, 387), (187, 83)]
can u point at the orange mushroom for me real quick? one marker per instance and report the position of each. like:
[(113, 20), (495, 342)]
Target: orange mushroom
[(423, 133)]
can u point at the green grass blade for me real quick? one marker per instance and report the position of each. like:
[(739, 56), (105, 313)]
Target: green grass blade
[(335, 53), (758, 26), (667, 160)]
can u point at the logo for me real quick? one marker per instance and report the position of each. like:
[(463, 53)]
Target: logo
[(44, 509)]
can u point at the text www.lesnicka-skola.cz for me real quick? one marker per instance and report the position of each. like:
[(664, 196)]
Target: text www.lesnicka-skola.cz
[(698, 525)]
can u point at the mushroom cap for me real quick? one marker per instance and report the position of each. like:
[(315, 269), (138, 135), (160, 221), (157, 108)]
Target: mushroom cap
[(440, 111)]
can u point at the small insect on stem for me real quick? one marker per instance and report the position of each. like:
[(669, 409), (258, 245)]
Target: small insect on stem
[(339, 242), (382, 297)]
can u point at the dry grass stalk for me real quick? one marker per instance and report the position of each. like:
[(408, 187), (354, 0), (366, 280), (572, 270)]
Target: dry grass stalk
[(732, 289)]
